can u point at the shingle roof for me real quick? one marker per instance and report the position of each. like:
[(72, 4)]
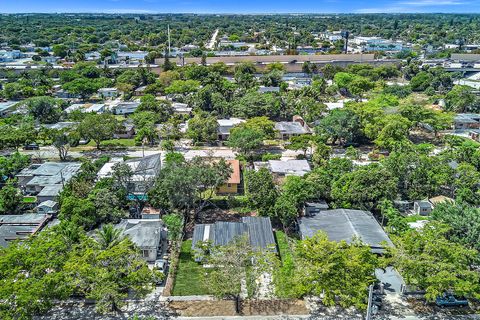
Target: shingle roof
[(345, 224), (235, 176)]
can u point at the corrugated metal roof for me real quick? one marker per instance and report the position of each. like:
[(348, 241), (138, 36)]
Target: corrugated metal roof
[(258, 229)]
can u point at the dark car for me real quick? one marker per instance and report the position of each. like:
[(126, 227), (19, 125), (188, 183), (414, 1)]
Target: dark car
[(31, 146), (449, 300)]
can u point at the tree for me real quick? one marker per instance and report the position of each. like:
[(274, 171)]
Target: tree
[(364, 187), (245, 140), (302, 142), (60, 50), (244, 75), (187, 187), (354, 84), (462, 99), (321, 155), (98, 127), (162, 108), (260, 190), (9, 166), (86, 86), (428, 261), (62, 140), (174, 223), (183, 87), (337, 271), (463, 220), (108, 236), (395, 132), (44, 109), (10, 198), (421, 81), (202, 127), (341, 125), (229, 268)]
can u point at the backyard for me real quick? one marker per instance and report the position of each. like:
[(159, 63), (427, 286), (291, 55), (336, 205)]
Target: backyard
[(188, 280)]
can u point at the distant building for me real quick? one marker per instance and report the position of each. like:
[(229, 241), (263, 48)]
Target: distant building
[(312, 208), (126, 107), (108, 93), (149, 235), (422, 207), (20, 226), (7, 107), (225, 125), (47, 207), (440, 200), (233, 184), (263, 89), (47, 180), (286, 130), (345, 225), (284, 168), (181, 108), (126, 130), (145, 170), (61, 125), (463, 121)]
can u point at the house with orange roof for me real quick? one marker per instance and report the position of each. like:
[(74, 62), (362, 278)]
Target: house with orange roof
[(233, 185)]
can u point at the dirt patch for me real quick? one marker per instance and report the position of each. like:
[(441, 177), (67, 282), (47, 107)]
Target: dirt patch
[(204, 308)]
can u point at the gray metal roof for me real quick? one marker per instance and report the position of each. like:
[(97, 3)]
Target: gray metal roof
[(290, 127), (293, 167), (258, 229), (145, 233), (345, 224), (50, 190), (19, 226), (260, 232)]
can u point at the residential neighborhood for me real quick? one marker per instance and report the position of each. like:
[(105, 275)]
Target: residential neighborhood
[(224, 166)]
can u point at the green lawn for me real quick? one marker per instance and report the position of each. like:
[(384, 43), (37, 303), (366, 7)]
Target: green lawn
[(29, 199), (123, 142), (283, 247), (188, 280), (415, 218)]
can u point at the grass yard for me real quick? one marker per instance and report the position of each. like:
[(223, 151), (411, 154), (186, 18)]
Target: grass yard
[(120, 142), (415, 218), (283, 247), (29, 199), (188, 280)]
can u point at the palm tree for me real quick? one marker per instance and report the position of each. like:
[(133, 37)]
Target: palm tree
[(109, 236), (70, 232)]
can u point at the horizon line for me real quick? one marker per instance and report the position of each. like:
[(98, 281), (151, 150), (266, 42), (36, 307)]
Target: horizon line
[(148, 12)]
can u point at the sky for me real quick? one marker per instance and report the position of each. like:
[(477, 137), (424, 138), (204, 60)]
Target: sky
[(241, 6)]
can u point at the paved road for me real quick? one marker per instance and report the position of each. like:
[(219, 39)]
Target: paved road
[(211, 43)]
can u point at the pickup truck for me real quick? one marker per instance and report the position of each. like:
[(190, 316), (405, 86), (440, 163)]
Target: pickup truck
[(449, 300)]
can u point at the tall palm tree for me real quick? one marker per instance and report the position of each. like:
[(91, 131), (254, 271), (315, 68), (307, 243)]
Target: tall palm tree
[(109, 236)]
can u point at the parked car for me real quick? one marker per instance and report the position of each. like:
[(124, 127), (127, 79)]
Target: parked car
[(31, 146), (161, 265), (449, 300)]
